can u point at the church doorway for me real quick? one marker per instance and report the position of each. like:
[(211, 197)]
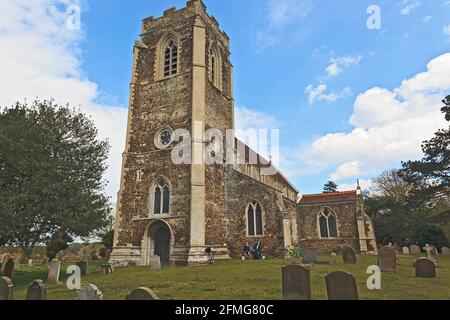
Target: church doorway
[(158, 242)]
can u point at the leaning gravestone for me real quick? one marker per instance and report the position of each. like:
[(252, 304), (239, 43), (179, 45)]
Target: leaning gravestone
[(296, 283), (405, 250), (9, 268), (309, 256), (37, 291), (83, 265), (155, 263), (414, 249), (341, 286), (425, 268), (142, 294), (90, 292), (54, 268), (387, 259), (6, 289), (349, 255), (17, 263), (445, 251)]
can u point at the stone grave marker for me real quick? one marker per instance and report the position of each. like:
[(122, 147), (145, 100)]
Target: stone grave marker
[(431, 251), (425, 268), (414, 249), (445, 251), (309, 256), (3, 260), (341, 286), (387, 259), (155, 263), (30, 262), (349, 255), (6, 289), (142, 294), (83, 265), (296, 283), (9, 268), (54, 268), (405, 251), (17, 263), (37, 291), (89, 292)]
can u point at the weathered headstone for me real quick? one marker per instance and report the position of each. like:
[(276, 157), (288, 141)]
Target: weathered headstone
[(107, 268), (341, 286), (405, 250), (387, 259), (349, 255), (425, 268), (296, 283), (445, 251), (17, 263), (309, 256), (54, 268), (6, 289), (155, 263), (414, 249), (142, 294), (90, 292), (9, 268), (431, 251), (83, 265), (37, 291), (30, 262)]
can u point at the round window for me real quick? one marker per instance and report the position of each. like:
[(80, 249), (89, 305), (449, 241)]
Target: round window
[(163, 139)]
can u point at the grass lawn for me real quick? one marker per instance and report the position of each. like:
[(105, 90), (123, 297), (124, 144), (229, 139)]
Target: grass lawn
[(242, 280)]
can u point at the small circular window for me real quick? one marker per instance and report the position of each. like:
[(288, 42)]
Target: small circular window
[(163, 138)]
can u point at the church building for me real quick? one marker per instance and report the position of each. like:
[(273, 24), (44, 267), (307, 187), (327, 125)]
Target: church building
[(183, 79)]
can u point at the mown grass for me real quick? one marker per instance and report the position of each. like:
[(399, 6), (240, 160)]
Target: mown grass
[(245, 280)]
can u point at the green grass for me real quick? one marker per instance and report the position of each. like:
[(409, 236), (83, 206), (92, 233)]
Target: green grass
[(241, 280)]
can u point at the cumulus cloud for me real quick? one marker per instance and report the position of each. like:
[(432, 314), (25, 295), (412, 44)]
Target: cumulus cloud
[(409, 6), (390, 125), (337, 65), (41, 58), (321, 93)]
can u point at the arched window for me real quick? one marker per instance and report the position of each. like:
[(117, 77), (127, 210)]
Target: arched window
[(161, 197), (327, 223), (254, 219), (170, 58), (215, 67)]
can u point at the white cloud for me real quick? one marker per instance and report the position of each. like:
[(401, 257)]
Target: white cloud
[(364, 184), (409, 6), (447, 31), (390, 126), (337, 65), (40, 57), (427, 19), (319, 93)]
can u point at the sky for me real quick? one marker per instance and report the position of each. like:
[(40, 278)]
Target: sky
[(351, 97)]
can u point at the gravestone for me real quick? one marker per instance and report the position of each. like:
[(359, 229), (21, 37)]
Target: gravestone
[(445, 251), (6, 289), (54, 268), (4, 259), (387, 259), (30, 262), (155, 263), (37, 291), (349, 255), (309, 256), (406, 250), (431, 251), (425, 268), (341, 286), (17, 263), (107, 268), (9, 268), (90, 292), (142, 294), (414, 249), (83, 265), (296, 283)]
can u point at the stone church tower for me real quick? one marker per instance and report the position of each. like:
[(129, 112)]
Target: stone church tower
[(182, 79)]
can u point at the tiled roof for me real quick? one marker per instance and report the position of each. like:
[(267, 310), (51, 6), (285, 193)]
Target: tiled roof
[(328, 197)]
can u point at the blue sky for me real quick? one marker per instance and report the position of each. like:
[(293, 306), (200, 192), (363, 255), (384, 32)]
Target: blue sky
[(349, 101)]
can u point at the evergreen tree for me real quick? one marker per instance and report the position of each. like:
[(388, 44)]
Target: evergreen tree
[(330, 187)]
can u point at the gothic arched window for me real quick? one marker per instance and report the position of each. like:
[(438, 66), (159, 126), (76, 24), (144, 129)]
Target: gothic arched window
[(254, 219), (161, 197), (214, 67), (327, 223), (170, 58)]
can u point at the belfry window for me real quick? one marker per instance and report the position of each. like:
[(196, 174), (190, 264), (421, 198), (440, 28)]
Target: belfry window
[(170, 58), (327, 224), (214, 67), (254, 219), (161, 197)]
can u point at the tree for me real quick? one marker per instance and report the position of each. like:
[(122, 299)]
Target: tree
[(108, 239), (60, 241), (430, 234), (51, 169), (330, 187)]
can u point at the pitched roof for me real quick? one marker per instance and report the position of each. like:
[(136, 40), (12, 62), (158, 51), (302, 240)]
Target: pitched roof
[(328, 197)]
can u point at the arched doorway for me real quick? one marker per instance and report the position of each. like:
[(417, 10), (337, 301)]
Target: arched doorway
[(158, 242)]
